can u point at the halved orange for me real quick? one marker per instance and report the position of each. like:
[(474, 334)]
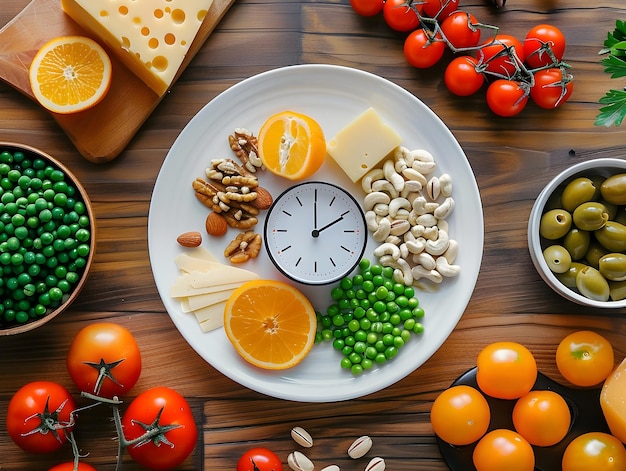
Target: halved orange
[(70, 74), (270, 323), (292, 145)]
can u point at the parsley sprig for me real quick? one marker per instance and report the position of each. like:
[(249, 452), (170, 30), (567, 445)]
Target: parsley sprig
[(613, 110)]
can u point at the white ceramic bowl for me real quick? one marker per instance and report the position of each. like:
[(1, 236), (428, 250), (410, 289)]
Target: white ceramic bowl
[(80, 195), (536, 244)]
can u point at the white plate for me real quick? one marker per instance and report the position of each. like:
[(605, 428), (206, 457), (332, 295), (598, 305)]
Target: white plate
[(333, 96)]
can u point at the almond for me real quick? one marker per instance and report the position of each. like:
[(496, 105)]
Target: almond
[(216, 224), (263, 199), (190, 239)]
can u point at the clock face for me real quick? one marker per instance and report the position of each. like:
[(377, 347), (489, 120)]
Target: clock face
[(315, 233)]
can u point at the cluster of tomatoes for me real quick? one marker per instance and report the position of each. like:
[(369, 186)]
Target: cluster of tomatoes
[(513, 71), (461, 415), (104, 362)]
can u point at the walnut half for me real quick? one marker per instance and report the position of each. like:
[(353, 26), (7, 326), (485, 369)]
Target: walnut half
[(245, 246)]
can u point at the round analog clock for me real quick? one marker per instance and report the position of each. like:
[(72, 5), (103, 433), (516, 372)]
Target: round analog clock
[(315, 233)]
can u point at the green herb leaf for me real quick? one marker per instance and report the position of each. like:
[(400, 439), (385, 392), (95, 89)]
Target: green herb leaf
[(614, 111)]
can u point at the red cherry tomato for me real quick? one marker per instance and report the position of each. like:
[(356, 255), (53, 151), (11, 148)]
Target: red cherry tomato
[(497, 55), (461, 76), (594, 450), (104, 359), (505, 370), (459, 30), (160, 407), (506, 98), (401, 17), (259, 459), (440, 9), (367, 7), (70, 467), (38, 416), (420, 52), (538, 40), (552, 88)]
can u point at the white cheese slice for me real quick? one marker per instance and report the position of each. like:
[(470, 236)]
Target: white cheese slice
[(182, 289), (362, 144), (211, 317), (208, 299)]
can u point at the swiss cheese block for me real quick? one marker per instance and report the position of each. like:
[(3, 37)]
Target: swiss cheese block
[(151, 37), (362, 144), (613, 401)]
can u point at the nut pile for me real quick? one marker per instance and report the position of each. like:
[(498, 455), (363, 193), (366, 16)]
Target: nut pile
[(231, 190), (298, 461), (406, 209)]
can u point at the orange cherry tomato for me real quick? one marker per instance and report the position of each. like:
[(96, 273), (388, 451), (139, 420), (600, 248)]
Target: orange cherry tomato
[(594, 451), (542, 417), (585, 358), (506, 370), (503, 449), (460, 415)]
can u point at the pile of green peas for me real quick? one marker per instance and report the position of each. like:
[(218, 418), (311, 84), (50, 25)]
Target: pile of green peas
[(371, 317), (45, 235)]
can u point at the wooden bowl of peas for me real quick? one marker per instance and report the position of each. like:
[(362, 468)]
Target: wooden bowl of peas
[(47, 238)]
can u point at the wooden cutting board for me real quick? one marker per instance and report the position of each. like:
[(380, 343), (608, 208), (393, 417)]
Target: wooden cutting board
[(102, 132)]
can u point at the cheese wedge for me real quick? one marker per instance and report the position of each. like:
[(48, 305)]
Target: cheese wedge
[(151, 37), (362, 144), (613, 401)]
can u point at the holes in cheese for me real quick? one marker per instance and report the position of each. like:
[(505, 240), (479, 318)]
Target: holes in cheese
[(151, 37)]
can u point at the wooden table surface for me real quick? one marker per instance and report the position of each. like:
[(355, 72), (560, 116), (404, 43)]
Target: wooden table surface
[(512, 159)]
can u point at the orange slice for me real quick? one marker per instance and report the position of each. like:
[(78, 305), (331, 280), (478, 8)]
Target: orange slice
[(292, 145), (70, 74), (270, 323)]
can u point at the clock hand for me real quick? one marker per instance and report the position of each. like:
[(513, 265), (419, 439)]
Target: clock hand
[(315, 211), (316, 232)]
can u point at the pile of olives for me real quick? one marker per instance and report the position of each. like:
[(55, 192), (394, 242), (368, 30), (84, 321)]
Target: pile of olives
[(584, 227)]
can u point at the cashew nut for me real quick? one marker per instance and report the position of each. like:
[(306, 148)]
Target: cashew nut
[(419, 271), (371, 221), (426, 260), (394, 177), (374, 198), (413, 175), (451, 251), (399, 227), (402, 269), (446, 269), (396, 204), (385, 186), (446, 184), (445, 209), (381, 209), (438, 246), (383, 230), (427, 220), (369, 177), (433, 188), (416, 246), (387, 249)]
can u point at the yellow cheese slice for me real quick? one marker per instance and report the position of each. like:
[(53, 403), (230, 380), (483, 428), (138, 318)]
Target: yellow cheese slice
[(362, 144), (151, 37), (613, 401), (182, 289), (211, 317)]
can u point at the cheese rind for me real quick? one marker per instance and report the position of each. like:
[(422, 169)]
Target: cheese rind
[(151, 37), (362, 144), (613, 402)]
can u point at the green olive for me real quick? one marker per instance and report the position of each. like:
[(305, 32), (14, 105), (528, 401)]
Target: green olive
[(578, 191), (592, 284), (590, 216), (613, 266), (595, 253), (613, 189), (577, 243), (568, 278), (555, 224), (611, 208), (557, 258), (612, 236), (617, 290)]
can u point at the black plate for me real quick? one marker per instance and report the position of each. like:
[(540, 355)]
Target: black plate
[(586, 413)]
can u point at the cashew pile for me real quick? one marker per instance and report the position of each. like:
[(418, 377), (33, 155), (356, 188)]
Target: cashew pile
[(406, 208)]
